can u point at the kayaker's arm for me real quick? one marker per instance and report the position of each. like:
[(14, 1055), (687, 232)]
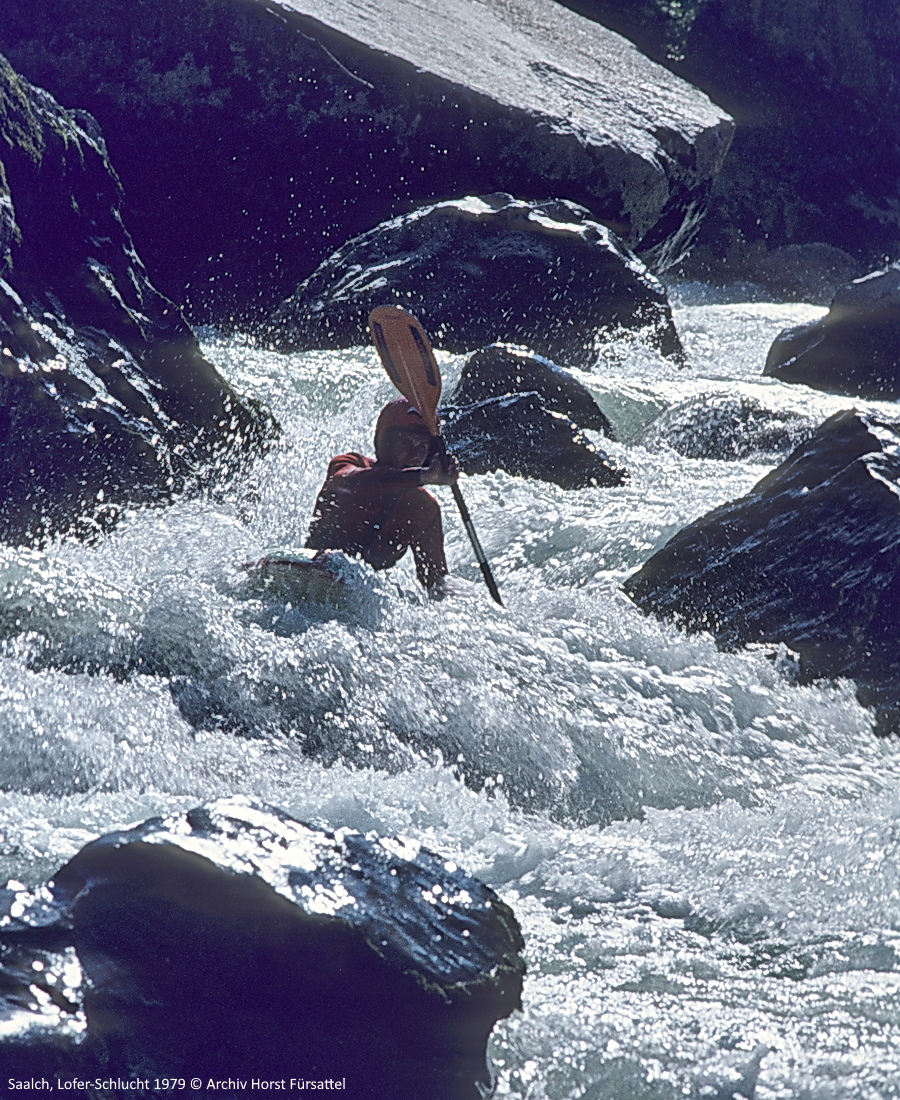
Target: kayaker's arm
[(412, 477)]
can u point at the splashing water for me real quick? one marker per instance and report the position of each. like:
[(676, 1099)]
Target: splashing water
[(702, 854)]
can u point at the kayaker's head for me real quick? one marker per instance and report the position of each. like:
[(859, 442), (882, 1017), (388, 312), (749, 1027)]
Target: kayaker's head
[(401, 438)]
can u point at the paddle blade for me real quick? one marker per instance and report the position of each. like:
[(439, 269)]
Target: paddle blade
[(409, 361), (407, 357)]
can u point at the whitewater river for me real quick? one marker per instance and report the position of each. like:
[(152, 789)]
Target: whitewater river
[(702, 854)]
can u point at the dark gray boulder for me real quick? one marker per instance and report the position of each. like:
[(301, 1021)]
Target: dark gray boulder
[(255, 137), (520, 435), (235, 942), (105, 397), (726, 427), (517, 411), (810, 557), (500, 370), (791, 273), (484, 269), (813, 89), (854, 349)]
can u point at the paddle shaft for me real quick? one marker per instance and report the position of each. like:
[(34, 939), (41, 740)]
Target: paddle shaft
[(480, 556)]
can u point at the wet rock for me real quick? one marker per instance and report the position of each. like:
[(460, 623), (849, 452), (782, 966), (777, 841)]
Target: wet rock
[(726, 427), (479, 270), (854, 349), (520, 435), (42, 1022), (732, 1076), (254, 138), (504, 369), (105, 397), (234, 942), (516, 411), (810, 557)]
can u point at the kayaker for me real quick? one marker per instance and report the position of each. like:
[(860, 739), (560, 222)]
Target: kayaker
[(377, 508)]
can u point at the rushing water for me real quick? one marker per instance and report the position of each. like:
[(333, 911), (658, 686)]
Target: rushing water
[(702, 854)]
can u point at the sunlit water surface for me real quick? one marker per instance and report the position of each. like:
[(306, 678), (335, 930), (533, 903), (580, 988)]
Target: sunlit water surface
[(702, 854)]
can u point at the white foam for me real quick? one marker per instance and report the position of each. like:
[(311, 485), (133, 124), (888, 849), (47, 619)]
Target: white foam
[(701, 852)]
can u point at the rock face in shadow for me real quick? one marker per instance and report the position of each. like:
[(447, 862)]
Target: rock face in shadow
[(480, 270), (254, 137), (813, 90), (234, 942), (105, 397), (810, 557), (854, 349), (792, 273)]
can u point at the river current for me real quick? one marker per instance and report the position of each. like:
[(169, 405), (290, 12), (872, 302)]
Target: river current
[(703, 854)]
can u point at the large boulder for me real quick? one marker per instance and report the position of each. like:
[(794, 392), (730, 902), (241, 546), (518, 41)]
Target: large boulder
[(516, 411), (520, 435), (854, 349), (105, 396), (499, 370), (813, 88), (255, 137), (235, 942), (479, 270), (810, 557)]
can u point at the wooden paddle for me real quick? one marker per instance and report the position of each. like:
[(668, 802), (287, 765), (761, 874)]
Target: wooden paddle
[(407, 357)]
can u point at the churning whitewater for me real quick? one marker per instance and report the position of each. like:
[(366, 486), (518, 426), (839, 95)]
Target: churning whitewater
[(702, 853)]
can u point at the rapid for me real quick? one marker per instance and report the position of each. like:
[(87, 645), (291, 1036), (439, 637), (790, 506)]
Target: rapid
[(702, 853)]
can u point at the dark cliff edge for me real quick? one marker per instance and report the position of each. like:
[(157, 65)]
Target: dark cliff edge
[(105, 396)]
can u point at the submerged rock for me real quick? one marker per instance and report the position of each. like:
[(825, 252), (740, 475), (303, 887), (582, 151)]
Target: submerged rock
[(105, 397), (482, 270), (727, 427), (854, 349), (520, 435), (810, 557), (235, 942), (253, 138)]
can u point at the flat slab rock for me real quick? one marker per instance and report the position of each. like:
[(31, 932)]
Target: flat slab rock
[(810, 557), (235, 941), (548, 63)]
